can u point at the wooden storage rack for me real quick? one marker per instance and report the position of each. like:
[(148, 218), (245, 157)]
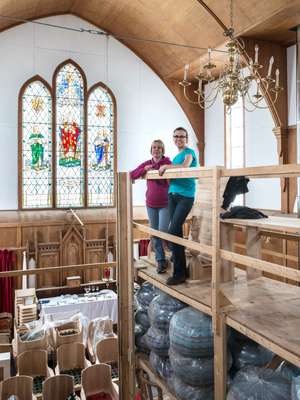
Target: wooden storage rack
[(265, 310)]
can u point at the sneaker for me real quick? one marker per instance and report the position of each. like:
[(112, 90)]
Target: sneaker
[(172, 281), (161, 267)]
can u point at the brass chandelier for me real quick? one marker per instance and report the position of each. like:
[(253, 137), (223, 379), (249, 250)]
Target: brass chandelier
[(234, 80)]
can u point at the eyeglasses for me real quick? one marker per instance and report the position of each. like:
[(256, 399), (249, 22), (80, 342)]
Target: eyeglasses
[(179, 136)]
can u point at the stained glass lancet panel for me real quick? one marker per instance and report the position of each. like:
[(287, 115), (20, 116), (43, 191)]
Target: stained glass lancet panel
[(100, 148), (36, 146), (69, 137)]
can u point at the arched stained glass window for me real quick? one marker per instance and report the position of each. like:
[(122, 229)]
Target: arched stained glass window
[(67, 142), (36, 144), (70, 88), (101, 117)]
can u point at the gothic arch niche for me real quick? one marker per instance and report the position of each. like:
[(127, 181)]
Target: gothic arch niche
[(72, 251), (35, 144), (69, 83)]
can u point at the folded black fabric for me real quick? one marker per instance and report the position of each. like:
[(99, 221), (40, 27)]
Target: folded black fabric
[(235, 185), (242, 212)]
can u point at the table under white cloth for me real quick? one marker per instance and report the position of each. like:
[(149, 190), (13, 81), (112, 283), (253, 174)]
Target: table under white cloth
[(95, 306)]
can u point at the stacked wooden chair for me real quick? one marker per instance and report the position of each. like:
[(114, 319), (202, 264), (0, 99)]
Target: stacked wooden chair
[(58, 387), (19, 386), (107, 352), (71, 360), (96, 380), (34, 363)]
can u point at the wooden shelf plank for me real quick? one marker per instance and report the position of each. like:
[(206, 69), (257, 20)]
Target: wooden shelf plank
[(203, 248), (265, 310), (267, 171), (273, 223), (143, 363), (194, 172), (195, 295)]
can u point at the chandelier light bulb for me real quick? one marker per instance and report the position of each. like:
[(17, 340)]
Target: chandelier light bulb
[(256, 48), (186, 70), (277, 78), (270, 66)]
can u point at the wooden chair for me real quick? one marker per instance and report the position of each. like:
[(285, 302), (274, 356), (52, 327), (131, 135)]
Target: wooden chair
[(20, 386), (71, 357), (97, 379), (58, 387), (34, 363), (106, 325), (107, 351)]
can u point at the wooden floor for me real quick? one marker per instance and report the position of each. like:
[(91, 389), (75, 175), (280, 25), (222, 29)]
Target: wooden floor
[(265, 310)]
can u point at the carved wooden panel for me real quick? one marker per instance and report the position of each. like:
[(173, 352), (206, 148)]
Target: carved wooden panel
[(95, 252), (48, 259), (72, 251)]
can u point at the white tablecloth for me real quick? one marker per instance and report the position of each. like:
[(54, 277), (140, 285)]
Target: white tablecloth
[(105, 305)]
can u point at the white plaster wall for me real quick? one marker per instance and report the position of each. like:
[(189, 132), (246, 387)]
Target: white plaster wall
[(260, 149), (291, 84), (146, 108), (214, 132)]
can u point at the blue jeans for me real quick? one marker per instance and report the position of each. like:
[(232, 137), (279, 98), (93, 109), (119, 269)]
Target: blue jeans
[(179, 208), (159, 219)]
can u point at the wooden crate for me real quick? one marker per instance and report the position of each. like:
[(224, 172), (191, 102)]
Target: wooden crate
[(25, 302)]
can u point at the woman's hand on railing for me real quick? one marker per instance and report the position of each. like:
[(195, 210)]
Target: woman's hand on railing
[(162, 169)]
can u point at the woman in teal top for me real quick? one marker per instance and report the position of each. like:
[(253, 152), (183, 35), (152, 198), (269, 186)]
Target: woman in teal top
[(180, 201)]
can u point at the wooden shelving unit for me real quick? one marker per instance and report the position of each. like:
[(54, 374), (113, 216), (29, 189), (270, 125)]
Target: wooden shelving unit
[(265, 310)]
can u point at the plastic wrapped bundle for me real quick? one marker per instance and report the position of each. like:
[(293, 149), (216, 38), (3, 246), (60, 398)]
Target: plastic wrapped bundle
[(296, 388), (250, 353), (288, 370), (191, 333), (32, 335), (188, 392), (192, 371), (141, 318), (161, 365), (195, 371), (257, 383), (158, 341), (161, 310), (140, 339), (146, 294)]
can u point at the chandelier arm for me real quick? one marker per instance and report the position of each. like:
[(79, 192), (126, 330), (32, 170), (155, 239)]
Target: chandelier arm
[(211, 94), (212, 102), (188, 98), (256, 103)]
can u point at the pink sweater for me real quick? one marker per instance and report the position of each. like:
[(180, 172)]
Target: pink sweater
[(157, 190)]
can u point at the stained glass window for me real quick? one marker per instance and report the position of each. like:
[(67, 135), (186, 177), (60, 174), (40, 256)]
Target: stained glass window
[(100, 148), (82, 136), (69, 91), (36, 139)]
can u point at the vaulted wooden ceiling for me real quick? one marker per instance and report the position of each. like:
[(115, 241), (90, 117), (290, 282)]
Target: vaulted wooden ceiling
[(179, 21)]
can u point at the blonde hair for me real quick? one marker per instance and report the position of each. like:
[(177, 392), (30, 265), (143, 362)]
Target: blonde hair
[(160, 143)]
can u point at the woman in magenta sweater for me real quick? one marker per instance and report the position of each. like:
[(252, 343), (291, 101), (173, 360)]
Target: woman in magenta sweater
[(156, 198)]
